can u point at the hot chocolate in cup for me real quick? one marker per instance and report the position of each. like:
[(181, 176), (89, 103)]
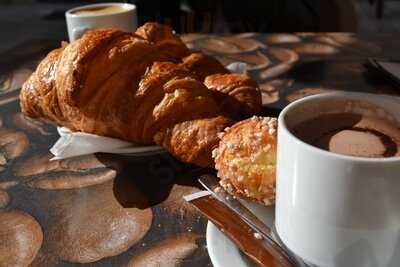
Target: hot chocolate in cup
[(338, 179), (351, 127)]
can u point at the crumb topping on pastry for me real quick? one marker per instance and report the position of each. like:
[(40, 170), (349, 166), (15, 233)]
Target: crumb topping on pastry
[(246, 159)]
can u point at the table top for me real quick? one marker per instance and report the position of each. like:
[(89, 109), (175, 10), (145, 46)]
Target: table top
[(109, 210)]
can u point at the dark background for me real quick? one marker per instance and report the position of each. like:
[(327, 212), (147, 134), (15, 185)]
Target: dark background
[(22, 20)]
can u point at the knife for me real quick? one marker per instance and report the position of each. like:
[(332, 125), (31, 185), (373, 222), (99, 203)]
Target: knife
[(211, 184), (237, 230)]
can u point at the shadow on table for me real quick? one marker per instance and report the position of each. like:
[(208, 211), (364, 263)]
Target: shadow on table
[(306, 72), (153, 177)]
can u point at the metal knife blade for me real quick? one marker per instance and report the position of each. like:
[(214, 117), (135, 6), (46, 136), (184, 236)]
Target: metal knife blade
[(211, 183)]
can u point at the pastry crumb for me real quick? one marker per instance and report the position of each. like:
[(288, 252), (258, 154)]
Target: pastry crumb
[(218, 189), (258, 236)]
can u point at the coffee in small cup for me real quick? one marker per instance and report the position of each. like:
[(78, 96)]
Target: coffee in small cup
[(121, 16), (99, 10)]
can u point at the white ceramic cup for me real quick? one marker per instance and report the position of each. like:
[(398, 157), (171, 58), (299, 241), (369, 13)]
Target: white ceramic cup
[(332, 209), (78, 24)]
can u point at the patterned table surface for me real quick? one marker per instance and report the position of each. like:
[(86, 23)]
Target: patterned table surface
[(108, 210)]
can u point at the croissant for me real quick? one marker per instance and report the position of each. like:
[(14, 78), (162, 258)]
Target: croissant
[(164, 39), (144, 87)]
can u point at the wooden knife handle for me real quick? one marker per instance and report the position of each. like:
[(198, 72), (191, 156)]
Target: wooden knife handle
[(239, 232)]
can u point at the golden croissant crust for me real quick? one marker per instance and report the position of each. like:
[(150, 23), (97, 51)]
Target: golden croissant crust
[(237, 93), (202, 65), (143, 87)]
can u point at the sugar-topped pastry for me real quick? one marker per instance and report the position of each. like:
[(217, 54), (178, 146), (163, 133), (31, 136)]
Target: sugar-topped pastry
[(246, 159)]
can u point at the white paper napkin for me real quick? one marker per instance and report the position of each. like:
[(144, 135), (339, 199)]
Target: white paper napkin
[(71, 144), (237, 67)]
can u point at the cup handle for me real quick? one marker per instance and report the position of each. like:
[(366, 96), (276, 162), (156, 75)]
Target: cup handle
[(78, 32)]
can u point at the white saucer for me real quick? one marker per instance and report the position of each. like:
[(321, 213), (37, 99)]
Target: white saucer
[(223, 252)]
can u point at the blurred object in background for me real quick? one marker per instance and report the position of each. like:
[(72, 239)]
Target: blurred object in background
[(379, 7), (270, 16), (225, 16), (338, 16)]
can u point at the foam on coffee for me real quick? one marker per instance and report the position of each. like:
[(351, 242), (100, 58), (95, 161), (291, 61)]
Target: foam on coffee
[(354, 128), (99, 10)]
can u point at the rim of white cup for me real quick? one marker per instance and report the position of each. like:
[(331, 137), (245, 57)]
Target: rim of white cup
[(127, 6), (283, 127)]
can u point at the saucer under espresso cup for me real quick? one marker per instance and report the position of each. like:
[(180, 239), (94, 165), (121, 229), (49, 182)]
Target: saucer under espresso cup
[(335, 210), (120, 16)]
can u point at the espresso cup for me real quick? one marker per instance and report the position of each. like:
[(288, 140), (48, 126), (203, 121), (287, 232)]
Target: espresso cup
[(335, 210), (120, 16)]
